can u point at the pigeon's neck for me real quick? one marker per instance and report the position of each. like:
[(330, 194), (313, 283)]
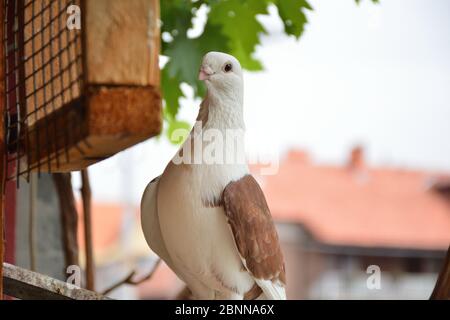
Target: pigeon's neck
[(222, 110)]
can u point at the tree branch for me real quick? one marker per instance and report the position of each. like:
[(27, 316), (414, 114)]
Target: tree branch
[(129, 279), (442, 289), (86, 197), (69, 217)]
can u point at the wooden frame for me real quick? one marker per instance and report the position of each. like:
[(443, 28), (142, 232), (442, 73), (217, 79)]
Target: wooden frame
[(24, 284)]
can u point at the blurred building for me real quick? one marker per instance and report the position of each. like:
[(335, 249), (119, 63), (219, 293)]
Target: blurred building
[(334, 222)]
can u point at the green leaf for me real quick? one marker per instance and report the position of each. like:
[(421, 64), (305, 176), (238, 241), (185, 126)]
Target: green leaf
[(292, 12), (212, 39), (185, 57), (184, 60), (248, 61), (176, 15), (238, 22), (171, 93)]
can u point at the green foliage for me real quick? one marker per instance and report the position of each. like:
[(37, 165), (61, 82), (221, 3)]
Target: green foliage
[(238, 22), (374, 1), (293, 19), (232, 26)]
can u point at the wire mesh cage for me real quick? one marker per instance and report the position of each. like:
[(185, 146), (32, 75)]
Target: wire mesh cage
[(43, 74), (77, 96)]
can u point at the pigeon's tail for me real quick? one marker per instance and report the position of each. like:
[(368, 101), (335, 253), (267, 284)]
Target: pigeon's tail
[(271, 290)]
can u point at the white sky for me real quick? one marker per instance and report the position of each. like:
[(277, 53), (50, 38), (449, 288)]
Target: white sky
[(378, 75)]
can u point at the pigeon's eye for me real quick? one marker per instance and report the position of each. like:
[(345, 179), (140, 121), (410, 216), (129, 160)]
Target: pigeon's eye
[(228, 67)]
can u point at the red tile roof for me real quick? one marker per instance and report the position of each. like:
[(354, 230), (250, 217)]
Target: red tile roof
[(377, 207)]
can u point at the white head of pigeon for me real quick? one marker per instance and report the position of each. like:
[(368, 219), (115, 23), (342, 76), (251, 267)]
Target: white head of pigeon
[(222, 74)]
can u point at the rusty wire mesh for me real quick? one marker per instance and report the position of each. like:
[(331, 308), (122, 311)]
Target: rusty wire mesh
[(43, 74)]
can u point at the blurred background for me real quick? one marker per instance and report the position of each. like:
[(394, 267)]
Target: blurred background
[(355, 117), (358, 111)]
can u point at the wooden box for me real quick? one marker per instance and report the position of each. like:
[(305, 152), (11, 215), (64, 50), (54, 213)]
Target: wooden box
[(77, 96)]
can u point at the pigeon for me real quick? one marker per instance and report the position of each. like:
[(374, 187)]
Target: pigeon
[(208, 220)]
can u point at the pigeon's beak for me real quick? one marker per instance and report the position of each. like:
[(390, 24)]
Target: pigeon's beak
[(205, 73)]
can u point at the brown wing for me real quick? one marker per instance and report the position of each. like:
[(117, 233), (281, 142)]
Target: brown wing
[(253, 229)]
